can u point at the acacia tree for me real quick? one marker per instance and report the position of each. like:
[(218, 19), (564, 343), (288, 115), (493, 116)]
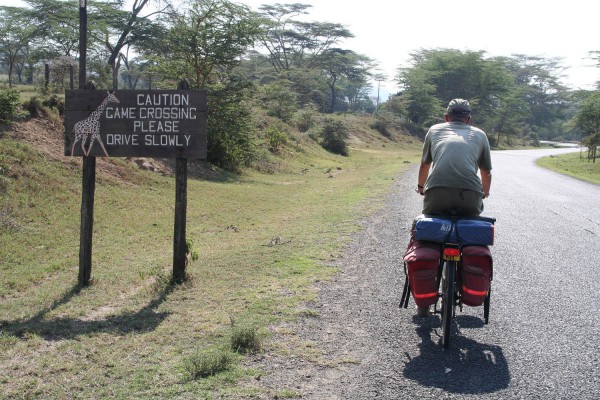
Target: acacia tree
[(511, 95), (293, 43), (587, 118), (208, 40), (417, 100), (204, 44), (339, 64), (57, 24), (15, 35), (281, 39), (118, 30), (538, 80)]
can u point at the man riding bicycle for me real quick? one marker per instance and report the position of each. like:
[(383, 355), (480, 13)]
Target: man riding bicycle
[(453, 152)]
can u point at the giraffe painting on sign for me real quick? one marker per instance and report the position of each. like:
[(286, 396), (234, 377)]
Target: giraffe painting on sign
[(90, 127)]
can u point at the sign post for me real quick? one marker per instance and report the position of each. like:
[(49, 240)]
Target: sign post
[(136, 123), (166, 124), (179, 238), (88, 186)]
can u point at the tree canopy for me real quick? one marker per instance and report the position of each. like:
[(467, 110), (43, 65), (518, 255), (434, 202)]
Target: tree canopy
[(511, 96), (274, 58)]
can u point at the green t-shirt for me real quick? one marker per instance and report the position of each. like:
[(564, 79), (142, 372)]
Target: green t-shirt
[(456, 152)]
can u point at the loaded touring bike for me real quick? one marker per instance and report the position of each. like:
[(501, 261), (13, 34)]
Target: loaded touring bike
[(448, 264)]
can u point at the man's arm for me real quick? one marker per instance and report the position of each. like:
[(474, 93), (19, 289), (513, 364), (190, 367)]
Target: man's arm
[(423, 173), (486, 181)]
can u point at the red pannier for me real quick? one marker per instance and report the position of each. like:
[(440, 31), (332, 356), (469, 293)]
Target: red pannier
[(476, 274), (422, 260)]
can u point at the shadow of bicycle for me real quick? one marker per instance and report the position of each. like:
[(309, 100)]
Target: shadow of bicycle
[(466, 366)]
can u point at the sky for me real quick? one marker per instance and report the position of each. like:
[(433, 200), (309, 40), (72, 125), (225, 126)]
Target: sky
[(388, 31)]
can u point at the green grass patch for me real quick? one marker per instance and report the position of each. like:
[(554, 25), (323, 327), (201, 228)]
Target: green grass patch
[(574, 164), (262, 241)]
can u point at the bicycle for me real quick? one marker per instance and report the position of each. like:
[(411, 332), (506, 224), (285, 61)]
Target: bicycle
[(456, 237)]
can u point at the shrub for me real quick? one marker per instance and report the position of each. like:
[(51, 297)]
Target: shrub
[(51, 107), (276, 137), (34, 107), (245, 339), (334, 136), (384, 121), (381, 127), (305, 119), (280, 101), (9, 103), (231, 135), (205, 363)]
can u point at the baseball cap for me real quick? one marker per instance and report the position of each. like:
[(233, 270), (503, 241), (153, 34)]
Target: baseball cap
[(459, 107)]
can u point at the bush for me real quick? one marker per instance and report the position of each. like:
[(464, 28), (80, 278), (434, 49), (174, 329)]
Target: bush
[(334, 136), (381, 127), (280, 101), (245, 339), (231, 135), (384, 121), (9, 103), (207, 363), (276, 137), (305, 118), (38, 107), (34, 107)]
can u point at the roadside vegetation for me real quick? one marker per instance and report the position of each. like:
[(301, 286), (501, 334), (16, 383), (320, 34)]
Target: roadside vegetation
[(262, 239), (575, 164)]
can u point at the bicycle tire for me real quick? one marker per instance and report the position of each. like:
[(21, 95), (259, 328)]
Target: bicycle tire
[(448, 301), (486, 306)]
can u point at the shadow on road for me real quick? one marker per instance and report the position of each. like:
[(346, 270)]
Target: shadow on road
[(466, 366)]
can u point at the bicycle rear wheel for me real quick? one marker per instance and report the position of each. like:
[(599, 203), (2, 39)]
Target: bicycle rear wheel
[(447, 301), (486, 306)]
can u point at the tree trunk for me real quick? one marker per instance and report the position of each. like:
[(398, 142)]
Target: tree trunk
[(332, 102)]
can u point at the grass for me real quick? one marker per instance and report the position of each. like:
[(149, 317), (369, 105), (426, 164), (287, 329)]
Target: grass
[(263, 240), (574, 164)]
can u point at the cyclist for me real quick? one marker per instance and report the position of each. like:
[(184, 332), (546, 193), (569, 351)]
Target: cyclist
[(453, 153)]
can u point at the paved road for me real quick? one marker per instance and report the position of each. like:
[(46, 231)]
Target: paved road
[(543, 340)]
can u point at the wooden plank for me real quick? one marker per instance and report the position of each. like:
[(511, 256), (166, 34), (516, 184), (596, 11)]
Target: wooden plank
[(134, 123)]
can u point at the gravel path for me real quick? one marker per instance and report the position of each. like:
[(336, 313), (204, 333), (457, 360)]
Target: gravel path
[(358, 344)]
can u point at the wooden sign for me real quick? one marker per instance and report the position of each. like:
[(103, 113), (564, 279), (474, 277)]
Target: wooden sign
[(136, 123)]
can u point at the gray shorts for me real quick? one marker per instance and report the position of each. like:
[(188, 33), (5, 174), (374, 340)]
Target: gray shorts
[(438, 200)]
